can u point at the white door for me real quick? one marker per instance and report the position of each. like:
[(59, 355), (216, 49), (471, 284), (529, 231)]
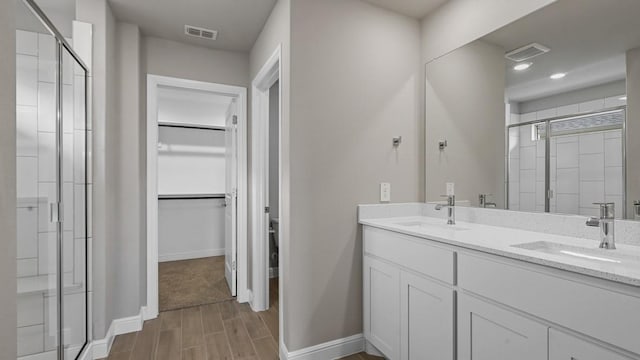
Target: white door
[(231, 196)]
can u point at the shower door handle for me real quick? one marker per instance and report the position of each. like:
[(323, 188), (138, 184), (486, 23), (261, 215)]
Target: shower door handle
[(54, 212)]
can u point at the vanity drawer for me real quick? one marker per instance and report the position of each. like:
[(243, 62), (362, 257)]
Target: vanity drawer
[(593, 308), (410, 252)]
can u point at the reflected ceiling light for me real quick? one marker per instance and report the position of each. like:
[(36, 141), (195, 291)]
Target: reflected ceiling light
[(558, 76), (623, 98), (522, 66)]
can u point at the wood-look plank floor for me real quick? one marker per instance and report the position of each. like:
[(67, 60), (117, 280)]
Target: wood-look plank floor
[(227, 330)]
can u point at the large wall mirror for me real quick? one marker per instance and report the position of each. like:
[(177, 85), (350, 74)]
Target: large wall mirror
[(542, 115)]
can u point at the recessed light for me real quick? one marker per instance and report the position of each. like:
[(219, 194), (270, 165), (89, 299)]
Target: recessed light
[(558, 76), (522, 66), (623, 98)]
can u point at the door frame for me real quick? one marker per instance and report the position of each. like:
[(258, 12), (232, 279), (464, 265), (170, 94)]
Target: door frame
[(268, 75), (240, 93)]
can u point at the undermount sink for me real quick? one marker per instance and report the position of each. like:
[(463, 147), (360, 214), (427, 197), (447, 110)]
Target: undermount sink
[(430, 224), (577, 252)]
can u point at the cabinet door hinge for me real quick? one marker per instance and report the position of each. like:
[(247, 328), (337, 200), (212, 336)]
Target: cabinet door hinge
[(235, 120), (233, 265)]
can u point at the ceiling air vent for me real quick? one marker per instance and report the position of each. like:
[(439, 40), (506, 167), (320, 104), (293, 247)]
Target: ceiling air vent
[(200, 32), (526, 52)]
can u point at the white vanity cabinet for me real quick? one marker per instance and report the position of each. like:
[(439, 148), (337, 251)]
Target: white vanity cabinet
[(566, 347), (489, 332), (427, 300), (408, 303), (382, 306), (426, 319)]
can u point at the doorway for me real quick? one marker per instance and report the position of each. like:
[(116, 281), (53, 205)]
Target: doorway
[(195, 194), (266, 174)]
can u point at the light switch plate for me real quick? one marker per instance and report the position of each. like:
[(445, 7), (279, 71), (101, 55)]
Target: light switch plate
[(385, 192)]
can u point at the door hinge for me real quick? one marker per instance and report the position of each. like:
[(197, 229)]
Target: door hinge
[(233, 265), (234, 120), (266, 209)]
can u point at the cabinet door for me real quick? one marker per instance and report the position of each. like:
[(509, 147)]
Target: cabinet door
[(382, 306), (426, 319), (489, 332), (567, 347)]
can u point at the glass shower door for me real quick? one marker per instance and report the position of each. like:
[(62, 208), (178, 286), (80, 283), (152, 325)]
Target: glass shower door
[(528, 168), (74, 195), (37, 186), (51, 192)]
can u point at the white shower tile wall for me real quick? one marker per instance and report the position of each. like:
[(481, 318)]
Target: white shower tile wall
[(585, 168), (36, 166)]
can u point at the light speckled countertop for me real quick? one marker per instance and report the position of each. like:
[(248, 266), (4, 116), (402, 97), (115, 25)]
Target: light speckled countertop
[(501, 241)]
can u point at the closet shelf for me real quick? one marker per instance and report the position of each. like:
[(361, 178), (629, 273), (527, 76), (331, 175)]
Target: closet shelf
[(192, 126), (190, 196)]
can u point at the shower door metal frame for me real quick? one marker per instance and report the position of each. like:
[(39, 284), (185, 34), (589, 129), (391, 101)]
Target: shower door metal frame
[(547, 155), (61, 46)]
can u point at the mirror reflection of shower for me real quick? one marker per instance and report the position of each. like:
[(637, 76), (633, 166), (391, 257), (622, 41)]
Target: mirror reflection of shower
[(580, 163)]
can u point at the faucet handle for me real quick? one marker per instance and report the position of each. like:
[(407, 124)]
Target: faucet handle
[(451, 199), (593, 221), (607, 209)]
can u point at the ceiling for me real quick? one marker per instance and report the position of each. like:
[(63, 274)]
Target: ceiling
[(414, 8), (588, 41), (238, 22)]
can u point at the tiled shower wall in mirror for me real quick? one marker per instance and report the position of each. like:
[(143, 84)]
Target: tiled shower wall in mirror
[(586, 167), (36, 173)]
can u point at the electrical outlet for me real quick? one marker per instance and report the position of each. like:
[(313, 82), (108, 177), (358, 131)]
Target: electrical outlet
[(385, 192)]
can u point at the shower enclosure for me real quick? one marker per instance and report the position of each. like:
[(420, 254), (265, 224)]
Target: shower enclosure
[(51, 140), (565, 164)]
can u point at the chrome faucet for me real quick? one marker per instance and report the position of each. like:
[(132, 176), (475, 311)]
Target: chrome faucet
[(606, 224), (451, 208), (484, 203)]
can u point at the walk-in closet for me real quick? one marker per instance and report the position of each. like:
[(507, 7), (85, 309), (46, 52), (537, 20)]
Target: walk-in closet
[(191, 176)]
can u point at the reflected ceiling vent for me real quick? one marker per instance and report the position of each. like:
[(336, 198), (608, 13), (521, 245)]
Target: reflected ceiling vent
[(527, 52), (200, 32)]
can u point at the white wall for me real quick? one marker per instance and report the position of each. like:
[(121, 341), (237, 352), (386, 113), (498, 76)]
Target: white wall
[(192, 106), (189, 229), (470, 116), (125, 169), (191, 161), (8, 317), (459, 22), (171, 58), (355, 84), (104, 104), (604, 91)]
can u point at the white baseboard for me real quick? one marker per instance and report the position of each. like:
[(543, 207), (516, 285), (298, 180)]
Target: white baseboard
[(99, 349), (190, 255), (330, 350), (372, 350)]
